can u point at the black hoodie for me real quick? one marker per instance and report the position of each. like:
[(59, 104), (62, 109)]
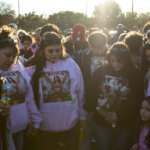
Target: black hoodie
[(131, 93)]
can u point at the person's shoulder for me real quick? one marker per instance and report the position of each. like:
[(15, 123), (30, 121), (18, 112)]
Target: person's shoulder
[(70, 63), (18, 66), (68, 60)]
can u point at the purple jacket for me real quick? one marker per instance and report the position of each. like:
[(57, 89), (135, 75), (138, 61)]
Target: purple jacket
[(17, 91), (61, 95)]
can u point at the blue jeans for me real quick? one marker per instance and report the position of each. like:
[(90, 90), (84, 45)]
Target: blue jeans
[(117, 139)]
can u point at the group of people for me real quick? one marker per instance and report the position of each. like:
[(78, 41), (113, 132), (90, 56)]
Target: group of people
[(53, 89)]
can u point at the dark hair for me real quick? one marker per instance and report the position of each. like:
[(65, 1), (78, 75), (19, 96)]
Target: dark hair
[(50, 38), (144, 59), (7, 40), (45, 29), (97, 39), (146, 27), (134, 40), (49, 28), (147, 138), (26, 38), (121, 51), (21, 32)]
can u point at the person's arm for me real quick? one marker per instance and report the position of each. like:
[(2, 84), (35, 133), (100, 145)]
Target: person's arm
[(92, 91), (130, 108), (80, 93), (82, 112), (34, 113)]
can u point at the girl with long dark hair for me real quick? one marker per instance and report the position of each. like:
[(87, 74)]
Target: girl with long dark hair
[(144, 133), (116, 93), (58, 91)]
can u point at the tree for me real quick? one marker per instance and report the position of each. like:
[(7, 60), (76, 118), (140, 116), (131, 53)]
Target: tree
[(6, 9), (31, 21), (142, 19), (107, 14), (6, 14), (131, 19), (66, 19)]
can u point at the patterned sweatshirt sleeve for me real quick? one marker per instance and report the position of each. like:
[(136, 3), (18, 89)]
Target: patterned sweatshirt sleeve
[(34, 114)]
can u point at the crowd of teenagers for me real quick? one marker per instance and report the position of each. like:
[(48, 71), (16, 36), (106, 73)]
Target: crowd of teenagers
[(86, 91)]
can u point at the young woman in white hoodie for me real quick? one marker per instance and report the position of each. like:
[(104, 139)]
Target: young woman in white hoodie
[(16, 90), (59, 94)]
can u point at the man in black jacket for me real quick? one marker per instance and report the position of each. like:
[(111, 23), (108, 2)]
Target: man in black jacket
[(90, 60), (93, 58)]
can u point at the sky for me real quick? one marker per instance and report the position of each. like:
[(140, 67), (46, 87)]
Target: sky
[(47, 7)]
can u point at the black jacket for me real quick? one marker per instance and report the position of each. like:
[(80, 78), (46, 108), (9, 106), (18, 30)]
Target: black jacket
[(75, 50), (84, 63), (127, 107)]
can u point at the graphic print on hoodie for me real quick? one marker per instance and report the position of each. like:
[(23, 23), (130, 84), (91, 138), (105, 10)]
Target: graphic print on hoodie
[(112, 91), (56, 86), (14, 88)]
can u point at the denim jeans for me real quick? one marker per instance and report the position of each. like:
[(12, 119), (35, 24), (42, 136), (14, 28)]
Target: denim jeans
[(113, 139)]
